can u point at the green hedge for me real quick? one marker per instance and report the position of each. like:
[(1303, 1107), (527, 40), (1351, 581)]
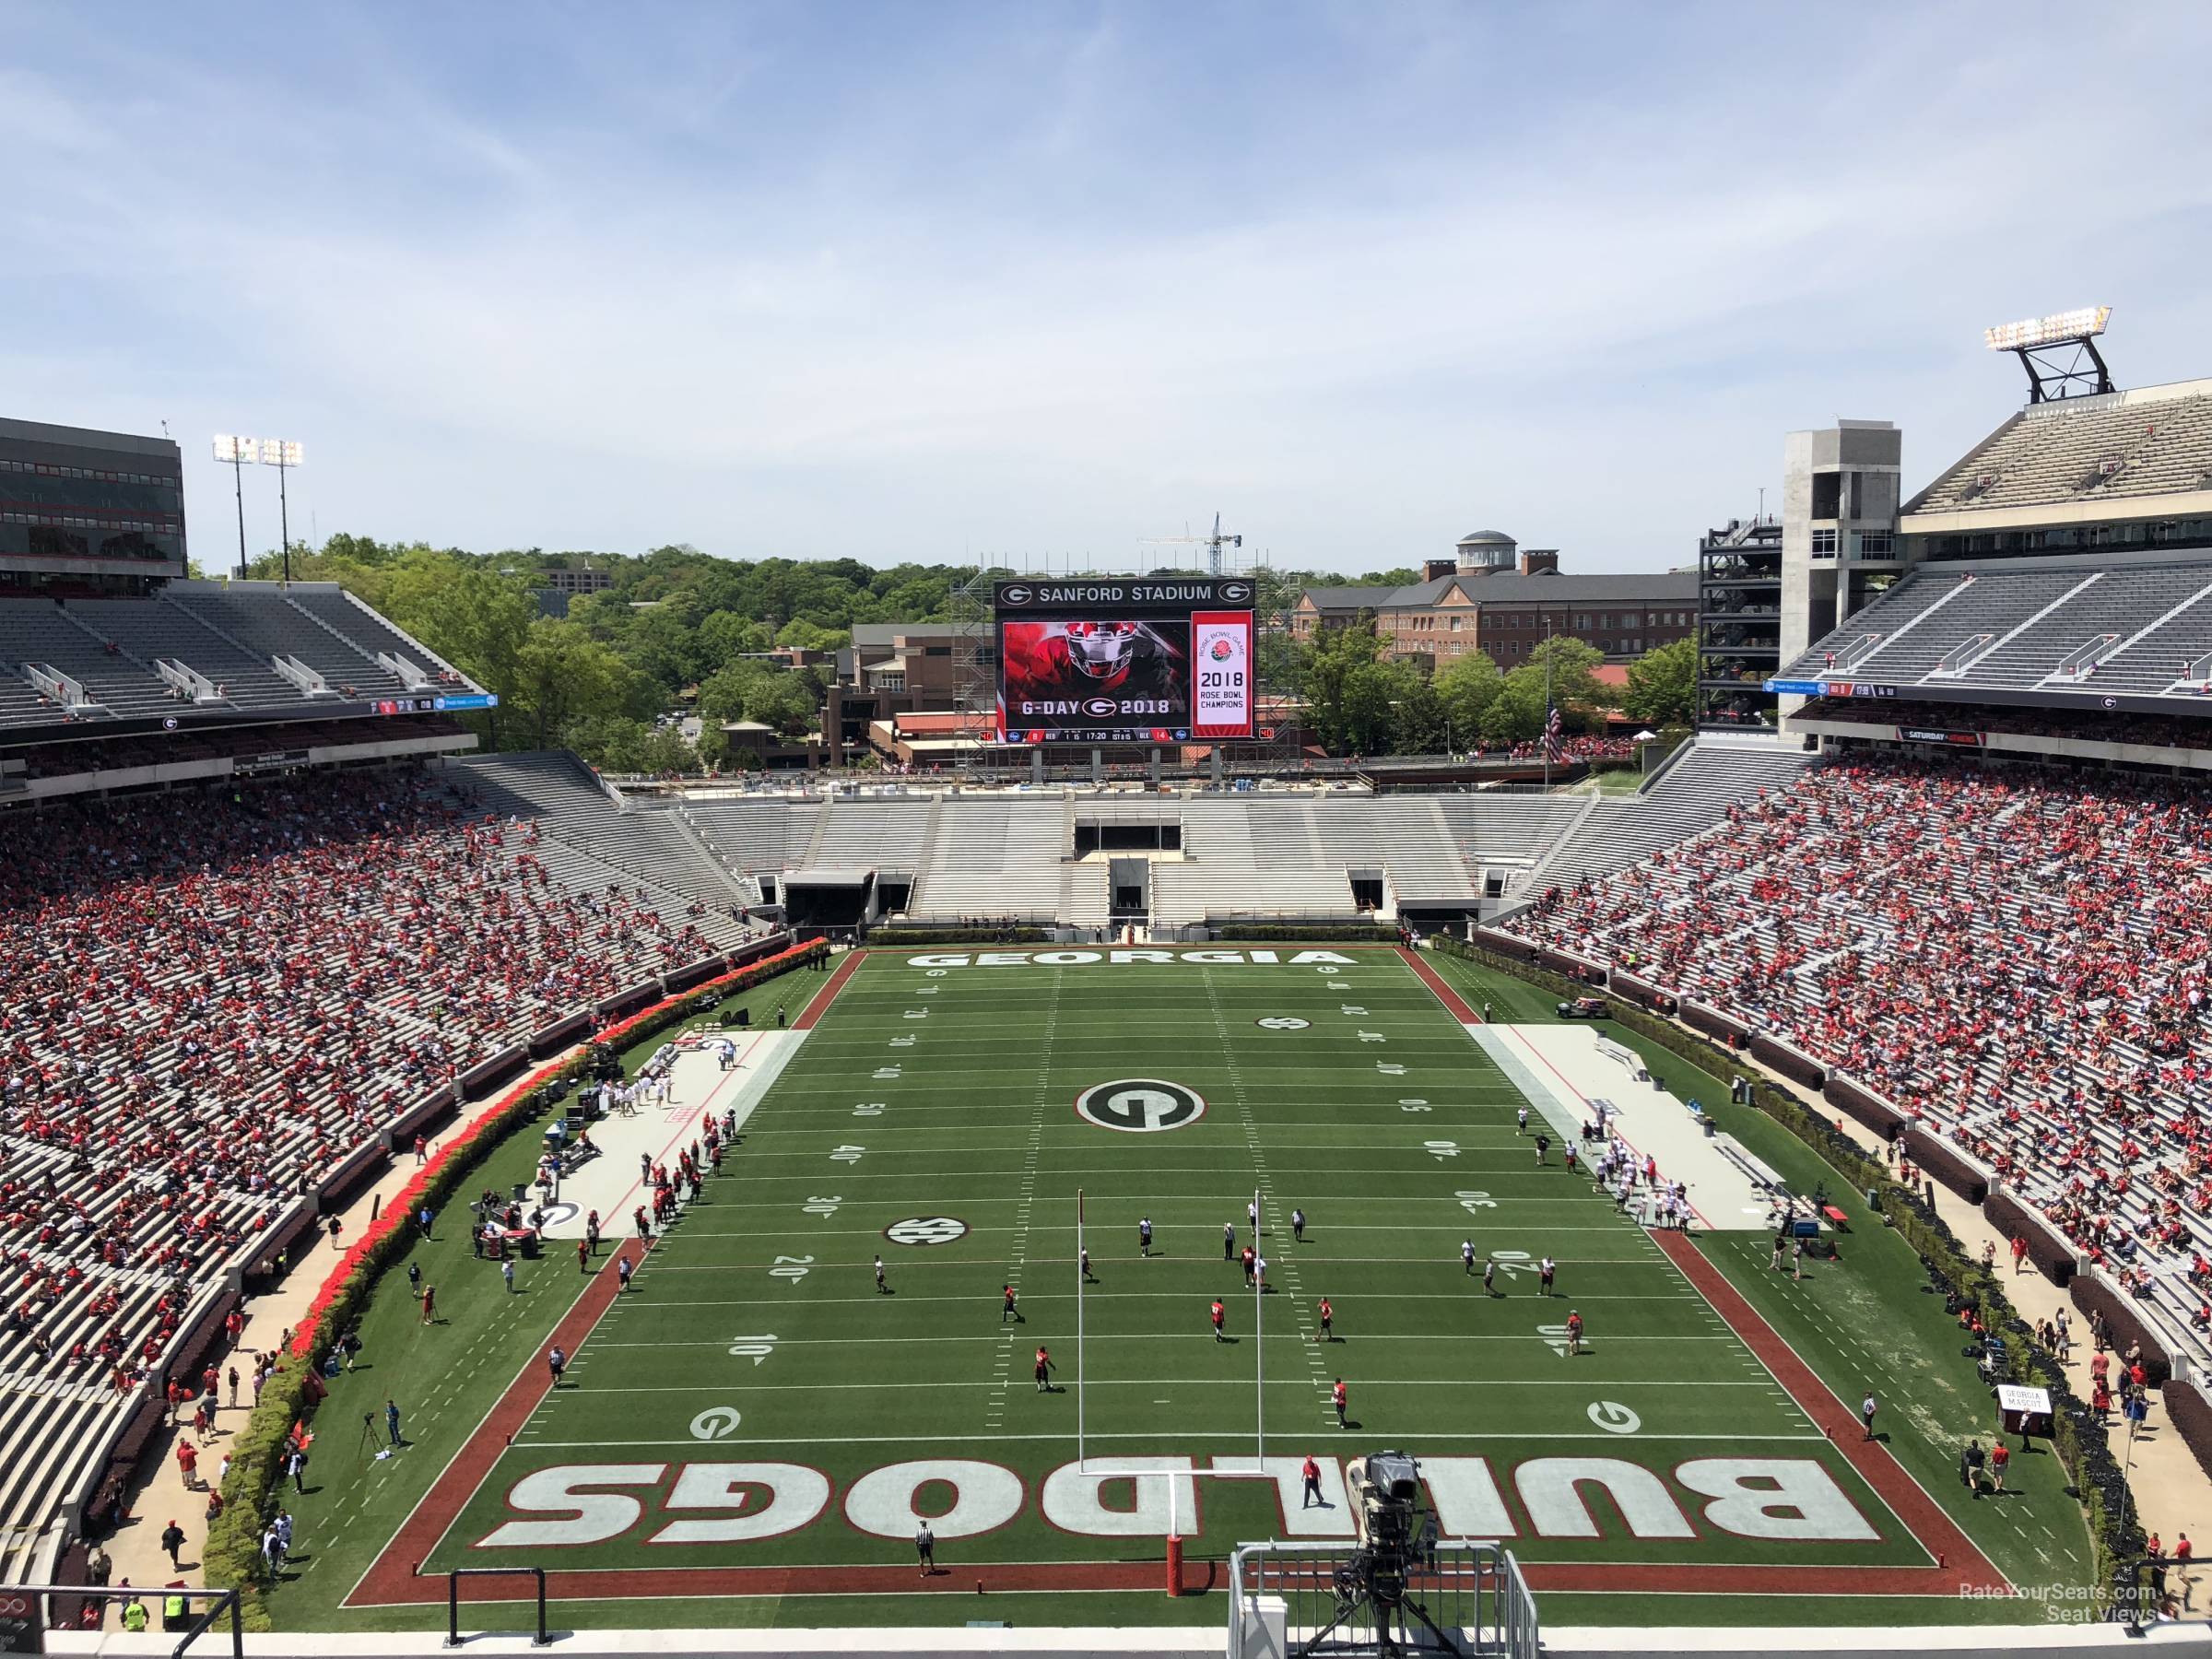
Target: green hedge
[(959, 935), (1354, 933), (2089, 1461), (231, 1558)]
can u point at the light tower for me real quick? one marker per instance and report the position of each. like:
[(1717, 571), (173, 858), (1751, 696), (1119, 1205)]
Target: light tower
[(2059, 352), (283, 454)]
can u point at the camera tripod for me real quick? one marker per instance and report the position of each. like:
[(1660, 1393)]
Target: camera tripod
[(1364, 1583)]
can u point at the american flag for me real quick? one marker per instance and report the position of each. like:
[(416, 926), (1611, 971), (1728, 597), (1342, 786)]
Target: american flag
[(1555, 750)]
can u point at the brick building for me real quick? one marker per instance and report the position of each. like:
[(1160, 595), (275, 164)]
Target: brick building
[(1494, 598)]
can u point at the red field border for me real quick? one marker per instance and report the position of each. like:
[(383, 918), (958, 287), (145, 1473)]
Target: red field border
[(1964, 1566), (395, 1579), (1454, 1003), (1595, 1577), (828, 993)]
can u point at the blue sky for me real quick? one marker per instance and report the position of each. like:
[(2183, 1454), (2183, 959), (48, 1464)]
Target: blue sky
[(1041, 280)]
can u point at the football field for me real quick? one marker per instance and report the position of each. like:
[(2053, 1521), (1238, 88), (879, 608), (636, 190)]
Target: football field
[(756, 1419)]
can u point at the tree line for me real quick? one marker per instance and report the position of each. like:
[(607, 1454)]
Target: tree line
[(679, 631), (1359, 701)]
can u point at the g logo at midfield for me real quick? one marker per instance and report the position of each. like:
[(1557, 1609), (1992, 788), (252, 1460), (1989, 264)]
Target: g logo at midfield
[(926, 1230), (1140, 1105)]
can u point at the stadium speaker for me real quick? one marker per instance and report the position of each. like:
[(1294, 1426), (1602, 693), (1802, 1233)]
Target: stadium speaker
[(743, 1016)]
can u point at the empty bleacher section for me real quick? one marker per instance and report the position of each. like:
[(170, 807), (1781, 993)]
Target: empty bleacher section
[(2152, 441), (39, 633), (152, 631), (1226, 855), (2015, 958), (886, 833), (1184, 895), (1508, 828), (748, 837), (997, 855), (261, 617), (363, 629), (1005, 855), (251, 647), (2132, 623), (1695, 792), (649, 851), (218, 1000)]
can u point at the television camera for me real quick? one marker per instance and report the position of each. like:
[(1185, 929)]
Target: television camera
[(1396, 1535)]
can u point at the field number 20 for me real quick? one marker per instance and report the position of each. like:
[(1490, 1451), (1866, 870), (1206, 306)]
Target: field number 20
[(792, 1269)]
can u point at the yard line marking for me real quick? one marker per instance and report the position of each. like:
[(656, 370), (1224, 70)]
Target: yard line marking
[(1207, 1442), (996, 1403), (1383, 1383), (938, 1341)]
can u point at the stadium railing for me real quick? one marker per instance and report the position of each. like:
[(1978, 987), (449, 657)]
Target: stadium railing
[(1305, 1599)]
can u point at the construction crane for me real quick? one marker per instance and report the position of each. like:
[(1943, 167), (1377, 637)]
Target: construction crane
[(1212, 544)]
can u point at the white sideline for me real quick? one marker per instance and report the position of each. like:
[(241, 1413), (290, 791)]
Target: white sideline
[(1564, 1069)]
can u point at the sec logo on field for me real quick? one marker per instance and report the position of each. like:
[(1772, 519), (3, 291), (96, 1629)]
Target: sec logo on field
[(926, 1230), (1282, 1023), (1140, 1105)]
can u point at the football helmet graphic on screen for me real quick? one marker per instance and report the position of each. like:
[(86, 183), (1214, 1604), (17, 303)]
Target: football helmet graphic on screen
[(1101, 649)]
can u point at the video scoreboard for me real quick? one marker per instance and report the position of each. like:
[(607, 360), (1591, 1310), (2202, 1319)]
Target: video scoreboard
[(1112, 659)]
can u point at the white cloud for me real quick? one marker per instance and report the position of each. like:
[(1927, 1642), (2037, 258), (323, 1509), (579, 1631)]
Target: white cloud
[(1586, 311)]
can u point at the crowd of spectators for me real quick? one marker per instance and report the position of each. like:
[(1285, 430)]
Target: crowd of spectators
[(1579, 747), (2018, 958), (214, 998)]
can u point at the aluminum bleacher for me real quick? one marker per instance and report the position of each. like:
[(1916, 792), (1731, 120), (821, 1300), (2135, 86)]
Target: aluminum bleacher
[(151, 631), (42, 632), (750, 837), (175, 926), (1714, 774), (2004, 954), (651, 850), (2132, 623), (1233, 855), (353, 622), (1183, 895), (259, 616), (1503, 827), (1003, 856), (224, 640), (885, 833), (2148, 441)]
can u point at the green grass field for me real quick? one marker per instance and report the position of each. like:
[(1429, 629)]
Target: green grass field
[(755, 1416)]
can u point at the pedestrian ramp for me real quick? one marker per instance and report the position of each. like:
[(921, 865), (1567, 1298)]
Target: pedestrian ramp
[(1576, 1075)]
